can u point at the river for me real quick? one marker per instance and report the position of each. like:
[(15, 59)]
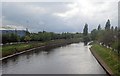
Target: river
[(70, 59)]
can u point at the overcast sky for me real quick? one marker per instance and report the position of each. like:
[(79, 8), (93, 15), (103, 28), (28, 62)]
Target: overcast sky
[(59, 16)]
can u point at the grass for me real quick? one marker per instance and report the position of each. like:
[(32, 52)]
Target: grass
[(110, 57), (11, 49)]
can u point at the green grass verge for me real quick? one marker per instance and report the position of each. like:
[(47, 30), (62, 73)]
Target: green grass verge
[(110, 57), (11, 49)]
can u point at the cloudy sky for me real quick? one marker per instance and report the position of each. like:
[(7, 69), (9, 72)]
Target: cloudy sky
[(69, 16)]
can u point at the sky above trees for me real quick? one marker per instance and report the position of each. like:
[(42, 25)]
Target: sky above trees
[(61, 16)]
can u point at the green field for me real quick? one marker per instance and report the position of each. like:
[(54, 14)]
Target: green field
[(110, 57)]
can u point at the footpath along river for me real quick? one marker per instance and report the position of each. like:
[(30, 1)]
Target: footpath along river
[(70, 59)]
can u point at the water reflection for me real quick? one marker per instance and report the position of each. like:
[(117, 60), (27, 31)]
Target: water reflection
[(70, 59)]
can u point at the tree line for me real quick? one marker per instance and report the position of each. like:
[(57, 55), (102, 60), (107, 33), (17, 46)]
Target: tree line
[(40, 36), (107, 36)]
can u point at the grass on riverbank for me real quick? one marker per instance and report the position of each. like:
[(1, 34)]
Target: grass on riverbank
[(12, 49), (110, 57)]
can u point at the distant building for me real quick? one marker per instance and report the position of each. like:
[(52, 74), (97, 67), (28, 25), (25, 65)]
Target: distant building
[(18, 32)]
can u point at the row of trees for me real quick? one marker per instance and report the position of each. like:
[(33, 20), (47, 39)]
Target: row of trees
[(45, 36), (7, 38), (108, 36), (40, 36)]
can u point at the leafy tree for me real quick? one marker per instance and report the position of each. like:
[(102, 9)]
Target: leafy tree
[(116, 29), (112, 28), (14, 37), (107, 26), (7, 38), (93, 34), (4, 38), (22, 38), (27, 38), (85, 30), (107, 38), (110, 36), (99, 27), (85, 34)]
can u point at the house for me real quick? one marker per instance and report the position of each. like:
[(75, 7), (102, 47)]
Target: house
[(18, 32)]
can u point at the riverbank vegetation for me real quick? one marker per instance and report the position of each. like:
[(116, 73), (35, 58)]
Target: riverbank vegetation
[(12, 43), (110, 57), (106, 44), (40, 36), (15, 48), (109, 36)]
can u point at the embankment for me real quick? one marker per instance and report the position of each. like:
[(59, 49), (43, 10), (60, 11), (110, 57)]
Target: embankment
[(107, 59), (16, 49)]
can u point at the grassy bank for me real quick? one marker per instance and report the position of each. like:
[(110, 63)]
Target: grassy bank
[(109, 57), (12, 49)]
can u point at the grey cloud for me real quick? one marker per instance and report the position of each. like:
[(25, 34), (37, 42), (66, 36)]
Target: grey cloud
[(40, 15)]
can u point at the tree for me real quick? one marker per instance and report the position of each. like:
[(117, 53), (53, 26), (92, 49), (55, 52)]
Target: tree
[(27, 38), (22, 39), (116, 29), (107, 26), (85, 34), (14, 37), (99, 27), (112, 28), (118, 47), (4, 38), (93, 34), (109, 37), (11, 37), (85, 30)]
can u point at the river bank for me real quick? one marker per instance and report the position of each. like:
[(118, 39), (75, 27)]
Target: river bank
[(107, 58), (12, 50)]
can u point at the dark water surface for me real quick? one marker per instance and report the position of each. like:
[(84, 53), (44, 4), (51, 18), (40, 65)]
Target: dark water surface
[(71, 59)]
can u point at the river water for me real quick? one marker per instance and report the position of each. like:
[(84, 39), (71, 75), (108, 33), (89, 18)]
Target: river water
[(70, 59)]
